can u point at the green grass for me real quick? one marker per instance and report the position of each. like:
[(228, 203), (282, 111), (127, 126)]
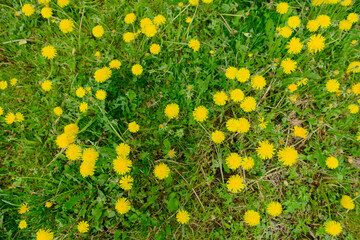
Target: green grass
[(34, 170)]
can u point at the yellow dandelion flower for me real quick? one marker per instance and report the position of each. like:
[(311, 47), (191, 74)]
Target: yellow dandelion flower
[(149, 30), (80, 92), (236, 95), (332, 162), (87, 169), (115, 64), (48, 204), (220, 98), (83, 227), (347, 202), (231, 72), (137, 69), (233, 161), (128, 37), (133, 127), (353, 108), (243, 75), (347, 3), (46, 12), (98, 31), (172, 153), (235, 183), (100, 94), (232, 124), (97, 54), (19, 117), (23, 208), (288, 156), (353, 17), (66, 25), (345, 25), (44, 234), (243, 125), (73, 152), (258, 82), (248, 104), (130, 18), (312, 25), (182, 217), (90, 155), (274, 209), (353, 67), (161, 171), (292, 87), (332, 85), (285, 32), (172, 110), (159, 20), (333, 228), (248, 163), (10, 118), (145, 22), (252, 217), (28, 9), (294, 22), (22, 224), (123, 150), (58, 111), (282, 8), (3, 85), (63, 3), (324, 21), (300, 132), (194, 2), (288, 65), (294, 46), (217, 137), (200, 113), (126, 182), (46, 85), (13, 81), (48, 52), (122, 165), (83, 107), (122, 206), (194, 44), (155, 49), (102, 74), (71, 129), (64, 140), (265, 150)]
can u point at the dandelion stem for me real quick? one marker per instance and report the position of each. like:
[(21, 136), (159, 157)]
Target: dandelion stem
[(101, 110), (203, 128), (8, 6), (180, 13), (220, 162), (192, 19)]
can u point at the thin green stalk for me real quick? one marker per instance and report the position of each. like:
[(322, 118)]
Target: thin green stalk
[(121, 138), (192, 19), (204, 128), (8, 6), (218, 152)]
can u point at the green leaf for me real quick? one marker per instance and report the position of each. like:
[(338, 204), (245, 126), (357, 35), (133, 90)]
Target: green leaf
[(131, 95), (167, 145), (173, 203)]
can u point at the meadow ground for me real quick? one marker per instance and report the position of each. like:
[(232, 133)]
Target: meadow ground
[(152, 119)]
